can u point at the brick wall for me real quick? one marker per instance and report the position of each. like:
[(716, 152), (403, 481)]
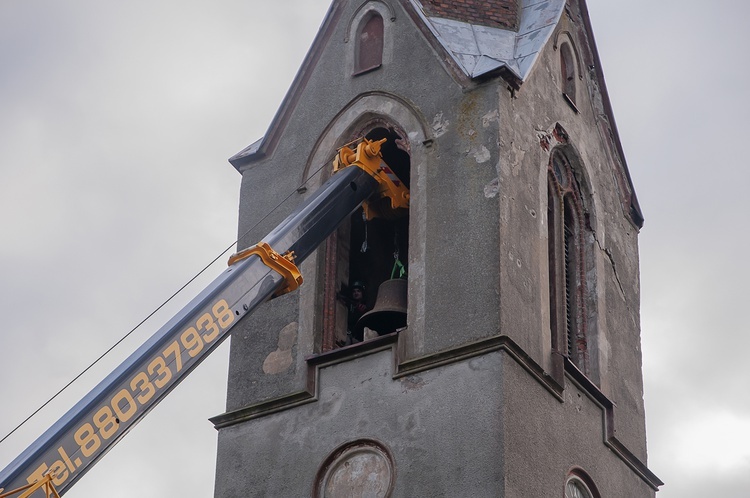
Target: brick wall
[(496, 13)]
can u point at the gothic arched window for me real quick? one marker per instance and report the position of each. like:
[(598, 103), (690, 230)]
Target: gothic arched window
[(369, 44), (567, 273)]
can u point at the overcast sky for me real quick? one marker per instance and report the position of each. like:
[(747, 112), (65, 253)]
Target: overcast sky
[(116, 120)]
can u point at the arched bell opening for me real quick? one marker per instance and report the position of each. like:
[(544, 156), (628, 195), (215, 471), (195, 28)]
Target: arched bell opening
[(365, 253)]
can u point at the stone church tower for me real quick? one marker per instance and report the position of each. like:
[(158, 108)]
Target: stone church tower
[(518, 373)]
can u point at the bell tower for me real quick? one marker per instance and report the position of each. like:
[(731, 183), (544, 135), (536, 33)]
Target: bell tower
[(512, 366)]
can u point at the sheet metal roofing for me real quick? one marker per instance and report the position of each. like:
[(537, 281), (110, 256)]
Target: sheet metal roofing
[(479, 50)]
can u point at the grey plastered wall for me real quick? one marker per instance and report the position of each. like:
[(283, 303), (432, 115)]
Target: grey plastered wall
[(438, 450), (478, 268), (454, 222), (527, 119), (545, 439)]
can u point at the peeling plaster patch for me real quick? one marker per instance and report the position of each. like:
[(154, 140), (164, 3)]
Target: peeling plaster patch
[(516, 157), (544, 140), (280, 360), (560, 134), (550, 138), (412, 383), (505, 168), (492, 188), (440, 125), (332, 400), (513, 259), (481, 155), (490, 117), (604, 349)]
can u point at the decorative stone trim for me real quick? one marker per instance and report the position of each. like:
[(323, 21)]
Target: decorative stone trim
[(364, 467)]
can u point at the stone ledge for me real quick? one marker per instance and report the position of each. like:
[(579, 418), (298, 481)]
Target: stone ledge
[(578, 378), (309, 394), (442, 358)]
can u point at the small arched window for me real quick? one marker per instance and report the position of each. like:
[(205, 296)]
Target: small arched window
[(568, 74), (566, 251), (369, 44), (580, 485)]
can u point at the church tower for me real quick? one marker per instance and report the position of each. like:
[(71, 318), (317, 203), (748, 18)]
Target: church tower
[(518, 370)]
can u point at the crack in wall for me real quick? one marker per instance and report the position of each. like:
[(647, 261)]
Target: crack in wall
[(611, 261)]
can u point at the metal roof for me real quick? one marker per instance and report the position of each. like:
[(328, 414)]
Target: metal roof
[(479, 50)]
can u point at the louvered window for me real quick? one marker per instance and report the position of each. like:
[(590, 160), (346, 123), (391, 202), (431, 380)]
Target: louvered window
[(570, 267), (566, 271)]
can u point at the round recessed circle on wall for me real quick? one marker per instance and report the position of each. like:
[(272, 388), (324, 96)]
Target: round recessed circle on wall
[(358, 469)]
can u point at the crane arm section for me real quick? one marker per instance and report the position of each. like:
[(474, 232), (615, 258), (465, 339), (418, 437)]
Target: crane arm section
[(91, 428)]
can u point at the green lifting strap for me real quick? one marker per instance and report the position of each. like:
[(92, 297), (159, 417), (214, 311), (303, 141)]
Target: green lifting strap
[(397, 264)]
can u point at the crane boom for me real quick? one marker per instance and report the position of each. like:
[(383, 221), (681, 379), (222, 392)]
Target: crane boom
[(87, 431)]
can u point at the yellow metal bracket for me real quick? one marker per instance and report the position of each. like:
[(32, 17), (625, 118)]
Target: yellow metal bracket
[(367, 157), (281, 263), (45, 484)]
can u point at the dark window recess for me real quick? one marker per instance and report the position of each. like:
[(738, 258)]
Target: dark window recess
[(572, 286), (369, 49), (566, 273), (554, 271), (367, 253), (568, 75)]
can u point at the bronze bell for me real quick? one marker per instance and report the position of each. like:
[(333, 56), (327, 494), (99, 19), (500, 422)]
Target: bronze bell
[(389, 312)]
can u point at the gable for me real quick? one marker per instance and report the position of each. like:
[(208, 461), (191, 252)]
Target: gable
[(471, 52)]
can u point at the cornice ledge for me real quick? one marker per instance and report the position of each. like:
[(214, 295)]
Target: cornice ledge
[(308, 395), (442, 358), (592, 391), (262, 409), (353, 351), (477, 348)]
